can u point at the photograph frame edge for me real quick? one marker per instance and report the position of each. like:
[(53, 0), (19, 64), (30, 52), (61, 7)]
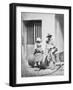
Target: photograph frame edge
[(12, 44)]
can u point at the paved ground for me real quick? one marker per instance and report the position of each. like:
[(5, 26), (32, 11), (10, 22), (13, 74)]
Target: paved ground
[(28, 71)]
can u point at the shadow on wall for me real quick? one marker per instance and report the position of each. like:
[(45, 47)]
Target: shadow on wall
[(59, 29)]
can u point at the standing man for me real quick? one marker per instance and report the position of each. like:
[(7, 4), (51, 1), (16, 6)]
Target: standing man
[(50, 51)]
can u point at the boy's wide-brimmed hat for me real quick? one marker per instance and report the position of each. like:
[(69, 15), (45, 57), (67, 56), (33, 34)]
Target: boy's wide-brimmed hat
[(38, 40), (49, 36)]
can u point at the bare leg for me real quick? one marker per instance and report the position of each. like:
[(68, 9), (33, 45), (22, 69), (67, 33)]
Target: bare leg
[(52, 62)]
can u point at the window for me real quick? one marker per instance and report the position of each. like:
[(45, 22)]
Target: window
[(33, 31)]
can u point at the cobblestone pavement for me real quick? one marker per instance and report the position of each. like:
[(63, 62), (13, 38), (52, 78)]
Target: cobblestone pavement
[(28, 71)]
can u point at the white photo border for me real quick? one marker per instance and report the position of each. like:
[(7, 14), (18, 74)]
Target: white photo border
[(65, 77)]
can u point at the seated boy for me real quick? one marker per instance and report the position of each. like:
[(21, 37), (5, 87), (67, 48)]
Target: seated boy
[(38, 52)]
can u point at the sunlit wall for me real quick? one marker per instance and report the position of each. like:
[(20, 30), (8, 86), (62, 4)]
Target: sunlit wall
[(59, 31)]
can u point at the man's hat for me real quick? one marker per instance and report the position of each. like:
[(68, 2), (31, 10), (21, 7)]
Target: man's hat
[(49, 36)]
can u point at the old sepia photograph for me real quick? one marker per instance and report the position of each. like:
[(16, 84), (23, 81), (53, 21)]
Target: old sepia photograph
[(42, 45)]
